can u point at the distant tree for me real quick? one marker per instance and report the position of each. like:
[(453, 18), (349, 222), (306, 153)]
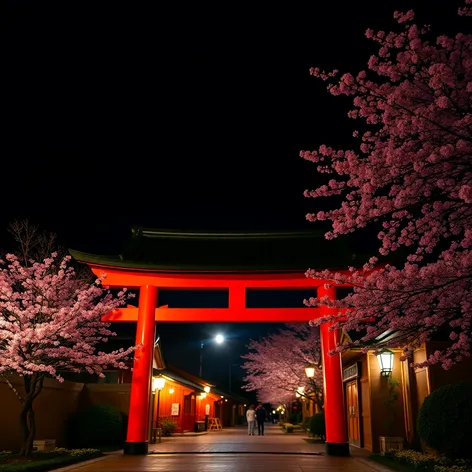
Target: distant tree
[(411, 174), (275, 365), (50, 322)]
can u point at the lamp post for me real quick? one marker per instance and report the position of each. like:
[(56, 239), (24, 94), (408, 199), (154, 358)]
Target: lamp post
[(310, 373), (230, 377), (218, 339), (157, 384)]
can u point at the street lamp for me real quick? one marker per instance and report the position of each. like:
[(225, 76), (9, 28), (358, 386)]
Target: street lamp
[(219, 338), (310, 371), (158, 384)]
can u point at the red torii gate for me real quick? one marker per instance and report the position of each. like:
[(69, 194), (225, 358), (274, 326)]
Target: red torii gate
[(149, 279)]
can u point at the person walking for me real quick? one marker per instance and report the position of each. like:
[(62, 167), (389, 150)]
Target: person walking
[(251, 420), (261, 416)]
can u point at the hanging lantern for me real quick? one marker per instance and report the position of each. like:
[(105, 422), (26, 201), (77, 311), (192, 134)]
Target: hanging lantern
[(158, 383), (310, 370), (385, 359)]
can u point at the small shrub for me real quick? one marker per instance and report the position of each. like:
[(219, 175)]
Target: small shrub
[(444, 420), (422, 462), (168, 427), (316, 425), (288, 428), (4, 455), (306, 422), (44, 461), (98, 426), (417, 460)]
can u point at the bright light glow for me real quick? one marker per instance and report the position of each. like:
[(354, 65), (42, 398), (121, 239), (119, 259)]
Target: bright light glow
[(310, 371), (158, 383), (219, 338), (385, 359), (203, 395), (206, 389), (171, 390)]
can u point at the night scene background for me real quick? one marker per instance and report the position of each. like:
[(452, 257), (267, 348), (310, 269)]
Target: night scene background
[(120, 114)]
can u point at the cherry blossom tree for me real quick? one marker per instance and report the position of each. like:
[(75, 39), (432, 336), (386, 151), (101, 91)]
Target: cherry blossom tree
[(411, 177), (275, 365), (50, 323)]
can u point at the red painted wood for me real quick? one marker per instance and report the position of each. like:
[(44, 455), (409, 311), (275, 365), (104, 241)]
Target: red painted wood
[(116, 277), (223, 315), (138, 421), (335, 420)]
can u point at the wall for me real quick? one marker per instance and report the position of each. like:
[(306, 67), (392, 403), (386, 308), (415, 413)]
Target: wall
[(117, 395), (364, 407), (439, 377), (166, 399), (415, 385), (385, 421), (53, 407)]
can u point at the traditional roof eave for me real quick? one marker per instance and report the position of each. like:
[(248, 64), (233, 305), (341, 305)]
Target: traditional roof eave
[(226, 252), (117, 262)]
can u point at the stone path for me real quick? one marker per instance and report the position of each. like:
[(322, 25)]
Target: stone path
[(232, 450)]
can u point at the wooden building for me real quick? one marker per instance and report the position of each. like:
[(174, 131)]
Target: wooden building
[(194, 404), (384, 408)]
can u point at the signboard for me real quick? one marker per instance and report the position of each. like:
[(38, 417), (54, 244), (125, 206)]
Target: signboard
[(207, 409), (351, 372), (175, 409)]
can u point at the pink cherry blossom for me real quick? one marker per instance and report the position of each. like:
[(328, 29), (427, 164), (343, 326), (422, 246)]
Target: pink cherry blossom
[(412, 174), (275, 365), (50, 323)]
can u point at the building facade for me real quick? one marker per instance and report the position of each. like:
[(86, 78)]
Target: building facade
[(386, 406)]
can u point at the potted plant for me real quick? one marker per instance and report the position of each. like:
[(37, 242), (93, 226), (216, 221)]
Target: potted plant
[(168, 427)]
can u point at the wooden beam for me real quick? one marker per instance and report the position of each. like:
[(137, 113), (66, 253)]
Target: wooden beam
[(206, 281), (220, 315)]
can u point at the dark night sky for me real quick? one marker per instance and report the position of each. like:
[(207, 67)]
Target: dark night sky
[(118, 114)]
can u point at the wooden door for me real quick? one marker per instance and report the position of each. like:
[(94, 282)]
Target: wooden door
[(352, 406), (189, 414)]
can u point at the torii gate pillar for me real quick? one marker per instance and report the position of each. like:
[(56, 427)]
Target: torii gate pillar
[(138, 420), (336, 432)]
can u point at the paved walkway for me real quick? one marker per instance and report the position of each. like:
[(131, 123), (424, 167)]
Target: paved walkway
[(232, 450)]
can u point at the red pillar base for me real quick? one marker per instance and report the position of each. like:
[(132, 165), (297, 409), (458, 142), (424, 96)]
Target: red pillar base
[(136, 448), (337, 449)]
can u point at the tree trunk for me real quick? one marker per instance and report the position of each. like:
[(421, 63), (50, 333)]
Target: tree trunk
[(28, 429), (33, 386)]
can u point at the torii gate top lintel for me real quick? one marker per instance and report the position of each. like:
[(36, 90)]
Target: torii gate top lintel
[(236, 262)]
